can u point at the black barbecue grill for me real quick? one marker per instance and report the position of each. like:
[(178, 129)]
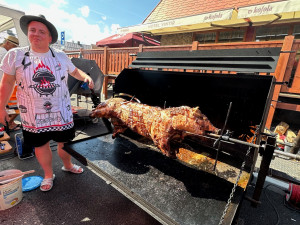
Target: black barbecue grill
[(236, 103)]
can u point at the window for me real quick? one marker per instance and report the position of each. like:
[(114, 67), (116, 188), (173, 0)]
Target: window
[(296, 32), (266, 33), (232, 36), (205, 38)]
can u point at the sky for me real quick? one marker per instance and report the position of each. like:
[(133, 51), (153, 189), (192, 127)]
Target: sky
[(87, 21)]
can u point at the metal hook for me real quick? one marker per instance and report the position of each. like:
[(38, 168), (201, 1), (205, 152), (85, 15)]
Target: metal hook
[(132, 98)]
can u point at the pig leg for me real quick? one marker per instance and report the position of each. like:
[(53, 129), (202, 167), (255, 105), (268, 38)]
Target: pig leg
[(119, 127)]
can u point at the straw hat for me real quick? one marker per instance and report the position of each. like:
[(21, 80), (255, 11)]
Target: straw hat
[(25, 20), (12, 40)]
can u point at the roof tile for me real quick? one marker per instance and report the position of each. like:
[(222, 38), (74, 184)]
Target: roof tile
[(171, 9)]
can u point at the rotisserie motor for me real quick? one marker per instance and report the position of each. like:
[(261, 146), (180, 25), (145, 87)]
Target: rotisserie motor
[(161, 125)]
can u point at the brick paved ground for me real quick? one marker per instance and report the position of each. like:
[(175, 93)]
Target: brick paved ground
[(290, 167)]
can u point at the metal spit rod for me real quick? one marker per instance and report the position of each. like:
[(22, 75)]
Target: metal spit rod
[(233, 140), (287, 154), (226, 138)]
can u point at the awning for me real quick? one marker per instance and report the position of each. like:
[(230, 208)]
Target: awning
[(191, 23), (126, 40), (269, 8), (6, 23), (276, 12), (10, 18)]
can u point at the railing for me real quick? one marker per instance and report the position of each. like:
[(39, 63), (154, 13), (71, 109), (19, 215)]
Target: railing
[(112, 61)]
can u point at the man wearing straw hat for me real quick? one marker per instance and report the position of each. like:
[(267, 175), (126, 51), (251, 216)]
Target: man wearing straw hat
[(9, 43), (43, 98)]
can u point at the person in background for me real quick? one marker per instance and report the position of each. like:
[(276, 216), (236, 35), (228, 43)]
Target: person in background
[(43, 98), (9, 43)]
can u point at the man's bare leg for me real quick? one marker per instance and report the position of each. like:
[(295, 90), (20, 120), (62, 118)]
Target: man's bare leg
[(44, 157)]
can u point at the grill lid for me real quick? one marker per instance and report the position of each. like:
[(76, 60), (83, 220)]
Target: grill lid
[(251, 60)]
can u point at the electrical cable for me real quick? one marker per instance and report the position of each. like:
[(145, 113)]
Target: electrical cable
[(273, 206), (289, 205), (284, 202)]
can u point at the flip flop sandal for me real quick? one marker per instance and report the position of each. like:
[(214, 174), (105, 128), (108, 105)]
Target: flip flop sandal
[(48, 182), (75, 169)]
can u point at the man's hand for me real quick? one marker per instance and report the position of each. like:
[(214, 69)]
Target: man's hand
[(89, 80), (3, 116), (80, 75)]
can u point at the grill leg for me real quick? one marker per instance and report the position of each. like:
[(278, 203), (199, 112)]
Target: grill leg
[(264, 169)]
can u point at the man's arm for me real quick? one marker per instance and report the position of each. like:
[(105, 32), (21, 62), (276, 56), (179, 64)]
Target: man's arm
[(80, 75), (6, 88)]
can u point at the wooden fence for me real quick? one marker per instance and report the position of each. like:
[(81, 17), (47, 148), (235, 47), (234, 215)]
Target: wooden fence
[(112, 61)]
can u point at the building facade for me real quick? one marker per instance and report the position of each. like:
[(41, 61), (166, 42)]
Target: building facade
[(70, 46), (218, 21)]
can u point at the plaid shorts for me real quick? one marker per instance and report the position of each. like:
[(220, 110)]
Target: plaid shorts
[(39, 139)]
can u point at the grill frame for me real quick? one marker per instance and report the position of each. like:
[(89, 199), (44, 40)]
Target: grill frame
[(269, 56), (128, 84)]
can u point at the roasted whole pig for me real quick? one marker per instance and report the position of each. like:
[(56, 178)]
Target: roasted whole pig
[(161, 125)]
